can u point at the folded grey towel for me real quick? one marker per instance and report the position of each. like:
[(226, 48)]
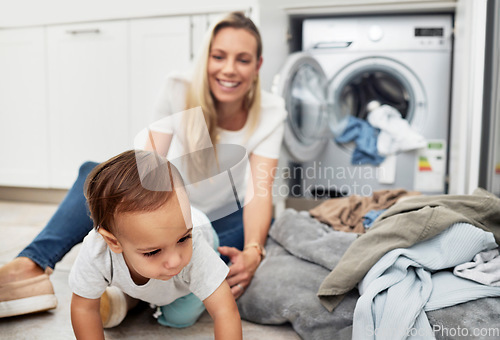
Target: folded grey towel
[(309, 239), (300, 253), (284, 290)]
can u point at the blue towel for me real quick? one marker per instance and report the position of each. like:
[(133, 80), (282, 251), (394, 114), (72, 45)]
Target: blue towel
[(371, 216), (365, 136)]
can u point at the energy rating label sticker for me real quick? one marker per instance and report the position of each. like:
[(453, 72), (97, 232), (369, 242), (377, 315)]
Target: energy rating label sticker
[(423, 164), (431, 167)]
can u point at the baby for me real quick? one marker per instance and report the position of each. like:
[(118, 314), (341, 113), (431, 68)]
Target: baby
[(148, 244)]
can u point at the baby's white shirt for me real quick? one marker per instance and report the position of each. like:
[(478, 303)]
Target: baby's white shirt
[(97, 267)]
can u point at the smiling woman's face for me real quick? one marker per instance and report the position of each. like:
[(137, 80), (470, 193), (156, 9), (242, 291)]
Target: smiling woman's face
[(232, 65)]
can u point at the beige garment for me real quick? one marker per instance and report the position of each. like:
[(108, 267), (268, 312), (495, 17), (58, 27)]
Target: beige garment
[(403, 225), (346, 213)]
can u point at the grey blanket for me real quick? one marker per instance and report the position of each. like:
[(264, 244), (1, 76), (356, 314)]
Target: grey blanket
[(285, 284), (301, 253)]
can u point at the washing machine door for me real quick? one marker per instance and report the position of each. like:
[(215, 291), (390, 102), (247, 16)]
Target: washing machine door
[(302, 83)]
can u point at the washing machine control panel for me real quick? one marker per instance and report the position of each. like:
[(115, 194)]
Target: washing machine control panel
[(388, 33)]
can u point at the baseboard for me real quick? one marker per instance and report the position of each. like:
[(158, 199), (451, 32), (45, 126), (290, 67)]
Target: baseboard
[(35, 195)]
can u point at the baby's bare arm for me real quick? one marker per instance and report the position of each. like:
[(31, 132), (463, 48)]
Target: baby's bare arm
[(85, 318), (222, 308)]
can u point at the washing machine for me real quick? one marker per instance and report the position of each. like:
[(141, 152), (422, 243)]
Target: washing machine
[(402, 61)]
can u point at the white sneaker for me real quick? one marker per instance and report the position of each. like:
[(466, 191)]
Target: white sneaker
[(113, 307)]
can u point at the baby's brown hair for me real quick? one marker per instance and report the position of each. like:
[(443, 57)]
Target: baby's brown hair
[(133, 181)]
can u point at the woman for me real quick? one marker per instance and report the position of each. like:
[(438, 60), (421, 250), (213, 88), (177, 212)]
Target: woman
[(226, 86)]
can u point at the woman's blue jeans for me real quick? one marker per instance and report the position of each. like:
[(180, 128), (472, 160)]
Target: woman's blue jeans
[(71, 223)]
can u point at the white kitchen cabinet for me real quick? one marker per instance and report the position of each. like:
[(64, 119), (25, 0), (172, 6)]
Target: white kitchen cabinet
[(88, 96), (200, 24), (158, 46), (77, 92), (23, 108)]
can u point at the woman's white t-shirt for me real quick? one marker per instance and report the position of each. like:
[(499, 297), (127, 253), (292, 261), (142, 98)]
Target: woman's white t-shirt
[(217, 196)]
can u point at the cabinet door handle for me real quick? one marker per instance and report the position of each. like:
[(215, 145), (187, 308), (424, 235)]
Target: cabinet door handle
[(84, 31)]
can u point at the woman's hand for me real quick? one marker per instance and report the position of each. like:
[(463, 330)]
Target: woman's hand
[(243, 267)]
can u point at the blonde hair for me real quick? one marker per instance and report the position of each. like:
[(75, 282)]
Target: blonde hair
[(199, 93)]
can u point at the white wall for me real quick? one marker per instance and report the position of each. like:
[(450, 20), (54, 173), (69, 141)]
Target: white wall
[(467, 96), (41, 12), (273, 27)]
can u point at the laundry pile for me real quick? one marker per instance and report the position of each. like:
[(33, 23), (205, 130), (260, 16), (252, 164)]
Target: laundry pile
[(331, 284), (357, 213), (384, 133), (404, 284)]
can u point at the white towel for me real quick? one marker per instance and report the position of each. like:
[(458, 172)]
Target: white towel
[(485, 268), (396, 133)]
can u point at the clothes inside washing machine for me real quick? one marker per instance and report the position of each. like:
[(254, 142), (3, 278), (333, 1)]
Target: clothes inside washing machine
[(368, 86), (377, 130)]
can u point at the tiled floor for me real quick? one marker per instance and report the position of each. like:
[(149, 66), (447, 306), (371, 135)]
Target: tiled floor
[(20, 223)]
